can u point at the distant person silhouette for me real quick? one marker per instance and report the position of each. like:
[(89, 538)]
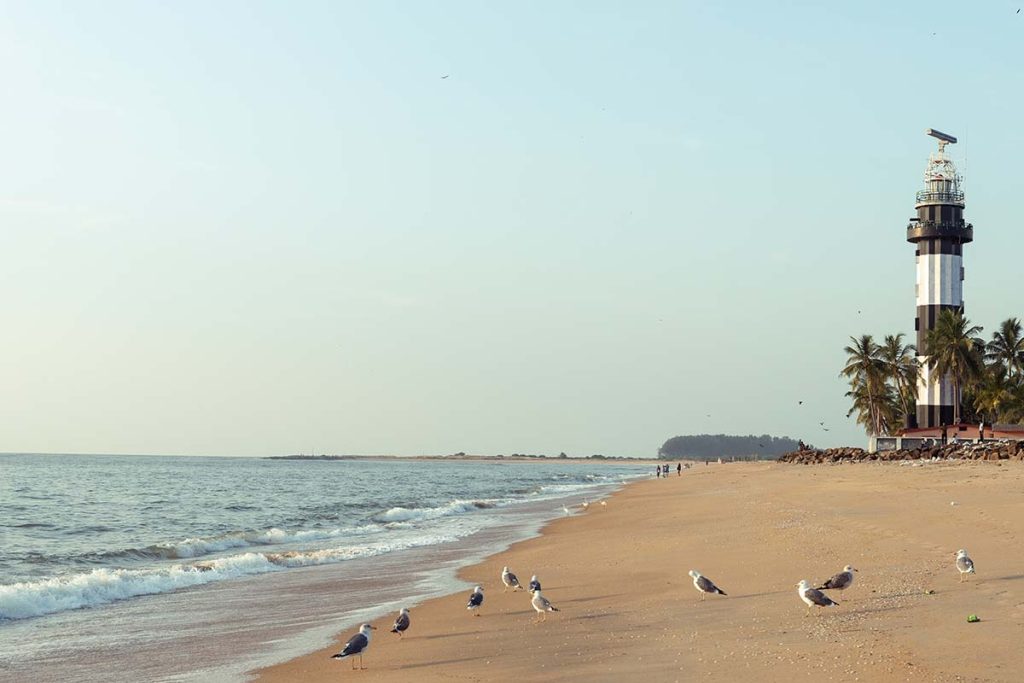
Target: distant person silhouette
[(657, 471), (679, 469)]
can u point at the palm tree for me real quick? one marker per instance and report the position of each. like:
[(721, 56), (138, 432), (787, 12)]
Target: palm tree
[(901, 368), (866, 371), (994, 395), (875, 405), (1007, 347), (953, 349)]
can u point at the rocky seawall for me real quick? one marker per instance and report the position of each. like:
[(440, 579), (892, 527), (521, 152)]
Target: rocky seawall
[(987, 450)]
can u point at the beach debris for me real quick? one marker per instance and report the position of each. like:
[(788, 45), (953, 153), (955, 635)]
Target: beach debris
[(813, 596), (475, 600), (953, 503), (357, 646), (534, 583), (840, 581), (964, 564), (929, 591), (973, 619), (542, 606), (510, 580), (704, 584), (402, 622)]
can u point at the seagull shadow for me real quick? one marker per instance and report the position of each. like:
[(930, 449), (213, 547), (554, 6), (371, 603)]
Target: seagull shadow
[(588, 598), (447, 635), (601, 615), (754, 595), (1011, 577), (436, 662)]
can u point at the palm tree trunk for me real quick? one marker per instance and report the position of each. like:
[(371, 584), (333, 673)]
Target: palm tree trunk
[(956, 399)]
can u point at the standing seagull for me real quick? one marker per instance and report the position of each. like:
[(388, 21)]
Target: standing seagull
[(534, 583), (475, 600), (401, 623), (813, 596), (964, 564), (510, 580), (357, 645), (542, 605), (840, 581), (704, 584)]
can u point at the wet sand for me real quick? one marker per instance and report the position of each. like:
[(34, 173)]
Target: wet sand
[(629, 610)]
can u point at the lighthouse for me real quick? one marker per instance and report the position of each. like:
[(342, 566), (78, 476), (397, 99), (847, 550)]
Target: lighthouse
[(939, 234)]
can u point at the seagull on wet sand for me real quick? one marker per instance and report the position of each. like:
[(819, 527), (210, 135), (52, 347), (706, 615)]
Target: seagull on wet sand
[(357, 645), (964, 564), (704, 584), (542, 605), (510, 580), (534, 583), (840, 581), (813, 596), (401, 623), (475, 600)]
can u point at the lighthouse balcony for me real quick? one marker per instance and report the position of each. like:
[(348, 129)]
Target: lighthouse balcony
[(940, 197), (920, 230)]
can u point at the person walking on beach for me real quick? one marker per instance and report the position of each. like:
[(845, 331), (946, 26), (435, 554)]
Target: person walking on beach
[(679, 469), (657, 471)]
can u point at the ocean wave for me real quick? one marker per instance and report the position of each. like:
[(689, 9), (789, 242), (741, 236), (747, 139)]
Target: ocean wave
[(455, 507), (189, 548), (103, 586)]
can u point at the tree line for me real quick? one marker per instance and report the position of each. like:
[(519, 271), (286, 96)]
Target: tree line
[(725, 445), (987, 376)]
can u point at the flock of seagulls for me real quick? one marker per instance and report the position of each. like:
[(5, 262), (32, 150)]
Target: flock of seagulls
[(357, 645), (812, 596)]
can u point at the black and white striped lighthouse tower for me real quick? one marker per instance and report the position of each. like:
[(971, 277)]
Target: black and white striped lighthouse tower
[(939, 232)]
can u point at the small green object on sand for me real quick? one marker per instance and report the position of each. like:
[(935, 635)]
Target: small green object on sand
[(973, 619)]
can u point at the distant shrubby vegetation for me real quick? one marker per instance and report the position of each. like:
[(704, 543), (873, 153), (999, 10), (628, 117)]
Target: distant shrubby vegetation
[(725, 446)]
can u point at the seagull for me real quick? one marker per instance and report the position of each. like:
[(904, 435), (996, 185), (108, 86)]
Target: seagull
[(475, 600), (704, 584), (799, 403), (445, 76), (401, 623), (566, 510), (840, 581), (964, 564), (585, 504), (510, 580), (604, 503), (357, 645), (542, 605), (534, 583), (813, 596)]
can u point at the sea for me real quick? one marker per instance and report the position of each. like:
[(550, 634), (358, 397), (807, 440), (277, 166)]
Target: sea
[(174, 568)]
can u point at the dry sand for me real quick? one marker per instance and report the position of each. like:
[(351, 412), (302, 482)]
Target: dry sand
[(629, 610)]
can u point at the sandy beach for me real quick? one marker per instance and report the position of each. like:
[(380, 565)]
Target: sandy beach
[(618, 573)]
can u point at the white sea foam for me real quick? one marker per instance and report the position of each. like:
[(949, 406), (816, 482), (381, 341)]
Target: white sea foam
[(103, 586), (455, 507)]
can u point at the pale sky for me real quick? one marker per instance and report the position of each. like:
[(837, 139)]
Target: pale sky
[(259, 228)]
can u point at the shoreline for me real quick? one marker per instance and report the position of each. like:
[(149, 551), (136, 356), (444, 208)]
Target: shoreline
[(618, 575)]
